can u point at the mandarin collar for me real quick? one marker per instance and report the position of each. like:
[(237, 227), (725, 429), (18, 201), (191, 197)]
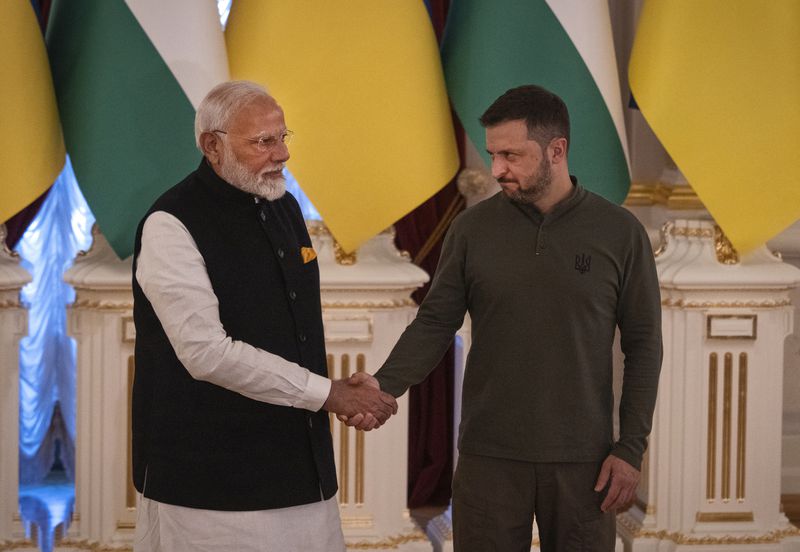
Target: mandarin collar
[(562, 207), (221, 187)]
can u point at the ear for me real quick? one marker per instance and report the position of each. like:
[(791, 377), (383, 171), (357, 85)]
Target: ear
[(558, 150), (211, 145)]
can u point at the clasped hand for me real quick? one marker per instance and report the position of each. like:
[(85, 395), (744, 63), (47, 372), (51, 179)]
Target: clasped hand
[(359, 402)]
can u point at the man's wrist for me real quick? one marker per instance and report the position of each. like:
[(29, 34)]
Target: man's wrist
[(316, 394)]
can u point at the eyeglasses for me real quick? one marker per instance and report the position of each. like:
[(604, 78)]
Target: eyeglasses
[(264, 143)]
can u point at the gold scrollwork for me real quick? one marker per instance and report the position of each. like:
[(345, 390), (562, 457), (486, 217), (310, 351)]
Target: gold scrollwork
[(389, 543), (342, 256), (665, 232), (726, 253), (684, 232), (771, 537)]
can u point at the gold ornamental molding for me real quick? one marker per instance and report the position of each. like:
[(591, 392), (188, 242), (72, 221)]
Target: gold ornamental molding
[(683, 232), (408, 289), (711, 333), (10, 304), (357, 522), (682, 303), (727, 406), (93, 546), (16, 545), (645, 194), (711, 453), (386, 304), (684, 198), (741, 428), (389, 543), (101, 304), (771, 537), (343, 257), (726, 253), (724, 517), (678, 197)]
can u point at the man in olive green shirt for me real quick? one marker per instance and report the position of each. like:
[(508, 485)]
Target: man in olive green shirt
[(547, 271)]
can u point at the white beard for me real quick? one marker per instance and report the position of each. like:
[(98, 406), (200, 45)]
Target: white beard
[(236, 174)]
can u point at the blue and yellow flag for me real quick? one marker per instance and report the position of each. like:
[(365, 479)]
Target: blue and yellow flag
[(362, 87), (31, 147), (719, 83)]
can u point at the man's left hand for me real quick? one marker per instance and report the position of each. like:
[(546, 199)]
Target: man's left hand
[(622, 489)]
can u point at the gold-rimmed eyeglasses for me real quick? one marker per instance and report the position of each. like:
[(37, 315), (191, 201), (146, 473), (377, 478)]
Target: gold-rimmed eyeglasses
[(264, 143)]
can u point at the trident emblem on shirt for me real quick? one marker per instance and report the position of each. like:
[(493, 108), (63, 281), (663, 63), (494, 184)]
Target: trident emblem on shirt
[(583, 263)]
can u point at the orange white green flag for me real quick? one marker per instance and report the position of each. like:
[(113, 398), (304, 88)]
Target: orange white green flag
[(31, 146), (719, 83), (128, 76), (565, 46), (362, 87)]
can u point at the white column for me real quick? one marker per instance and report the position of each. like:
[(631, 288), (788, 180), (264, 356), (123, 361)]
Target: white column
[(13, 326), (101, 321), (711, 478), (366, 305)]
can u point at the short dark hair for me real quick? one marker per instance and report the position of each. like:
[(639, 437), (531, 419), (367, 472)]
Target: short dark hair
[(544, 113)]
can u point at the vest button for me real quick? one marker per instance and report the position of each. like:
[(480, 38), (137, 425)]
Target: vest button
[(310, 422), (280, 253), (302, 337), (263, 215), (293, 295)]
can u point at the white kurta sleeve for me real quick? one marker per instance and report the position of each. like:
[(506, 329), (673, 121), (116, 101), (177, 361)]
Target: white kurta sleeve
[(172, 274)]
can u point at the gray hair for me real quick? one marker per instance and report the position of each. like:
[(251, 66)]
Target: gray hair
[(222, 103)]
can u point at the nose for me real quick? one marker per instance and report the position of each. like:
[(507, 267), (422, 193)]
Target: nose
[(499, 167), (280, 153)]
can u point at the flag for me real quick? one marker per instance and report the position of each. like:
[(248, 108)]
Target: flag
[(564, 46), (361, 85), (31, 146), (128, 76), (719, 83)]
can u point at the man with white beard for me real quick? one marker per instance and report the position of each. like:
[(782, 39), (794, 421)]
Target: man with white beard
[(231, 441)]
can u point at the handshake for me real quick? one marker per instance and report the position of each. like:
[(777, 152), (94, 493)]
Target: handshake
[(359, 402)]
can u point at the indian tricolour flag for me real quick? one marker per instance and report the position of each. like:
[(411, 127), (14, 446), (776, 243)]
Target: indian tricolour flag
[(563, 45), (128, 76)]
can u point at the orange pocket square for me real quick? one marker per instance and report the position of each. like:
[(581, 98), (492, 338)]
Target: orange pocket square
[(308, 254)]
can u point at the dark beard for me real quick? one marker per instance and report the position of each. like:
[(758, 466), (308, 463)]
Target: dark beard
[(537, 186)]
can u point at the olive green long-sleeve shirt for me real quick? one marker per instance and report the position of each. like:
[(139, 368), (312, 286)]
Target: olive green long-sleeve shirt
[(545, 294)]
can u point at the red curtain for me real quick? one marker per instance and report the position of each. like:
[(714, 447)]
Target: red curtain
[(430, 445)]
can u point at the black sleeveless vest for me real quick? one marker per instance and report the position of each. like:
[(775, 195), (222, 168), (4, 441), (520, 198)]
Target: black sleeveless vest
[(197, 444)]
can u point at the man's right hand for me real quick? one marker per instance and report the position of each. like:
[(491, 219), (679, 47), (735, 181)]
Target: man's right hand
[(360, 401)]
